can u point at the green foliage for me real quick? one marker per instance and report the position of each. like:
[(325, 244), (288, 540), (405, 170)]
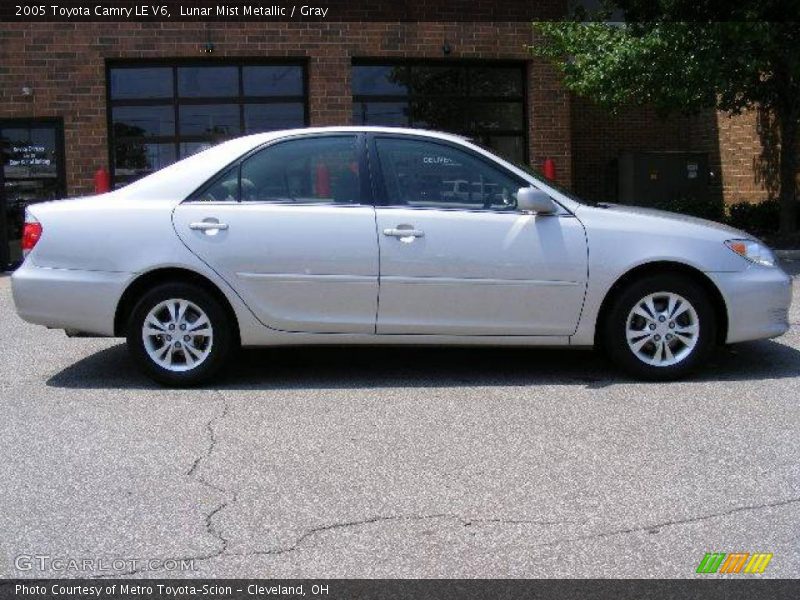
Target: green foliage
[(762, 218), (616, 66), (705, 208), (675, 65), (682, 55)]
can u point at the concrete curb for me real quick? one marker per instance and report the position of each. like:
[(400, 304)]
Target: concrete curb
[(788, 254)]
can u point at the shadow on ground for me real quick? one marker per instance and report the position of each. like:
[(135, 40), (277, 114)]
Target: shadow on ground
[(375, 367)]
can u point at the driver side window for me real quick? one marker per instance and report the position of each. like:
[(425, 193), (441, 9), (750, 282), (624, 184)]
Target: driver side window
[(426, 174)]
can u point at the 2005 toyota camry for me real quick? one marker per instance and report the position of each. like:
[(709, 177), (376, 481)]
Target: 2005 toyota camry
[(385, 236)]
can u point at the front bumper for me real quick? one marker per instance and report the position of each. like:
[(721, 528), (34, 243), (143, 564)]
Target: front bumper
[(84, 301), (757, 300)]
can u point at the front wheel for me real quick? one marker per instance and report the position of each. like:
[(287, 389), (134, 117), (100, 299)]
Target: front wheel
[(660, 327), (179, 334)]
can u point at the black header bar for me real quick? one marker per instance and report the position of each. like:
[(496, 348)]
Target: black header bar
[(75, 11)]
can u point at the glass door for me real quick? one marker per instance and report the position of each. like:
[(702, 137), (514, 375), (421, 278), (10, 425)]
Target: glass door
[(31, 170)]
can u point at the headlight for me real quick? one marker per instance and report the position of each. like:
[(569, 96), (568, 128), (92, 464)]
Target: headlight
[(753, 251)]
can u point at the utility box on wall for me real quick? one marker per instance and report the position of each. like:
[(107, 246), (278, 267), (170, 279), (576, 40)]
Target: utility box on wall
[(663, 178)]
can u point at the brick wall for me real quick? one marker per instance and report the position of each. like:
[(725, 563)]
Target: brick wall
[(598, 138), (748, 160), (742, 168), (65, 66)]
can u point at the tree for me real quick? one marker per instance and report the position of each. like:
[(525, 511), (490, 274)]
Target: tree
[(728, 58)]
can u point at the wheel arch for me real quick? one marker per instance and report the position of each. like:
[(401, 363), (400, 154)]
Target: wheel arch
[(660, 268), (150, 279)]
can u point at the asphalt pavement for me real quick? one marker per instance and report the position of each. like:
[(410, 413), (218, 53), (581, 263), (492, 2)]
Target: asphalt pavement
[(393, 462)]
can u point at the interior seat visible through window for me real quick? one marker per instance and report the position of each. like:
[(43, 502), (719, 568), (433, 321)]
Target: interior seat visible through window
[(428, 174)]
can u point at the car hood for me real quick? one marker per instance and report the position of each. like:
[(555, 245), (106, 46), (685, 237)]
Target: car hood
[(646, 218)]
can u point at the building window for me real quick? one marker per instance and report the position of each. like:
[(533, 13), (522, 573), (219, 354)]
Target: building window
[(160, 113), (483, 101)]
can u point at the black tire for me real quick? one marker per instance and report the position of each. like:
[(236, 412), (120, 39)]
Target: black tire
[(614, 329), (220, 347)]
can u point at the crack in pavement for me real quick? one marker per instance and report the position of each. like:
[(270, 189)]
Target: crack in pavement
[(333, 526), (654, 528), (212, 437), (382, 519), (232, 497), (192, 473), (466, 522)]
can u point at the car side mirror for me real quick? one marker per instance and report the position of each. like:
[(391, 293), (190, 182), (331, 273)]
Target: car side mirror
[(531, 199)]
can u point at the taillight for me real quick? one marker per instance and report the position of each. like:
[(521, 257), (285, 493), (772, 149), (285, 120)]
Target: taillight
[(31, 234)]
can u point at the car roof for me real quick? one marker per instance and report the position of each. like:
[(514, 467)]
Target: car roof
[(271, 135)]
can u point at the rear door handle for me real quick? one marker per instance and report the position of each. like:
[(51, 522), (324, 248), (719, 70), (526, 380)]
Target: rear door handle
[(402, 233), (208, 226)]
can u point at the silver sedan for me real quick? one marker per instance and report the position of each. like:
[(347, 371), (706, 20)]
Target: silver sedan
[(358, 235)]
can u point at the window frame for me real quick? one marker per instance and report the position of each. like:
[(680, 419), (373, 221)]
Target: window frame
[(467, 99), (175, 101), (364, 177), (380, 194)]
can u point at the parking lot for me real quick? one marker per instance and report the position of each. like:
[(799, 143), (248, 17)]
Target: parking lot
[(409, 462)]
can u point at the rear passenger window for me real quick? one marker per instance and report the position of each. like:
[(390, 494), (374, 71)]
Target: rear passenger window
[(310, 170), (224, 188), (419, 173)]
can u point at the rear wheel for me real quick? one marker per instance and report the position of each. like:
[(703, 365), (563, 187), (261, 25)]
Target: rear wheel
[(660, 327), (179, 334)]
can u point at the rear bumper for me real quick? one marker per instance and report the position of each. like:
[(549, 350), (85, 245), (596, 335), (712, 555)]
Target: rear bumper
[(73, 299), (758, 301)]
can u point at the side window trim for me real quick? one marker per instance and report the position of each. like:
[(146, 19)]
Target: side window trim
[(379, 183), (365, 179)]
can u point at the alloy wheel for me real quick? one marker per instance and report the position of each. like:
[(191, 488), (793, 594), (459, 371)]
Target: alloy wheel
[(177, 335), (662, 329)]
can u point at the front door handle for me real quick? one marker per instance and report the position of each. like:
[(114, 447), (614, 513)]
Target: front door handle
[(400, 232), (208, 226)]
